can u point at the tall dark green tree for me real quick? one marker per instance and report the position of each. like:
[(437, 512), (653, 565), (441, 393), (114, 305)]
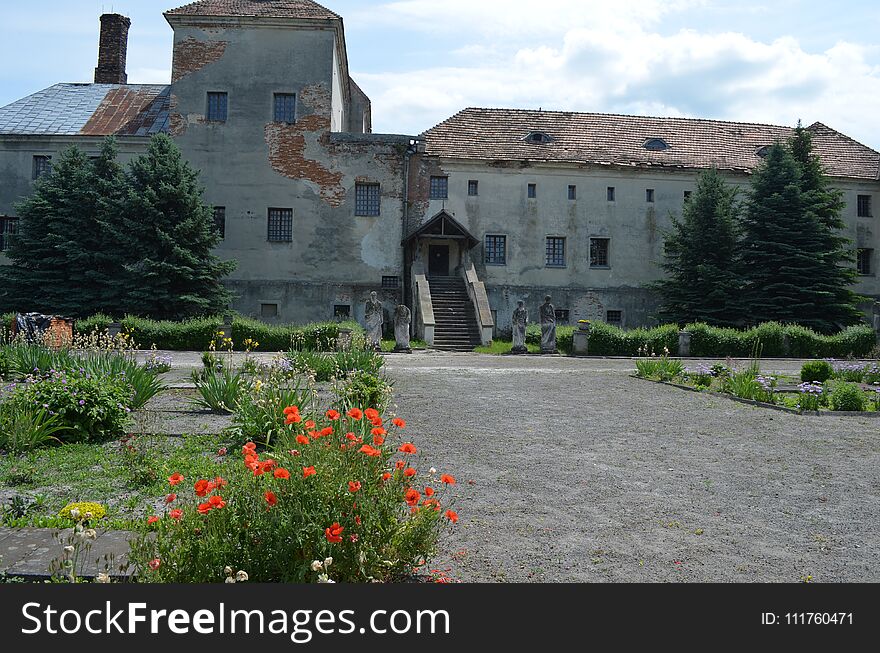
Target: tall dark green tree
[(169, 235), (699, 257), (784, 259)]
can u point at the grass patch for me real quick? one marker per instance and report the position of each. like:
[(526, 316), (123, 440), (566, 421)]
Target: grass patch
[(504, 347)]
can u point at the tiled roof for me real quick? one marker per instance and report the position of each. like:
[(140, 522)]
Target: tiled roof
[(605, 139), (90, 110), (262, 8)]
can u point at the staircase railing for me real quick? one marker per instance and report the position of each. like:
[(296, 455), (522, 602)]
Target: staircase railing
[(424, 308), (476, 290)]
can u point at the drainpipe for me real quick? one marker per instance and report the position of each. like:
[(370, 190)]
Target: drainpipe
[(410, 150)]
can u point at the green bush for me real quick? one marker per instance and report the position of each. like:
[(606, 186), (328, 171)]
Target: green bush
[(259, 416), (364, 390), (337, 365), (4, 363), (707, 341), (23, 428), (219, 390), (848, 397), (90, 407), (816, 371)]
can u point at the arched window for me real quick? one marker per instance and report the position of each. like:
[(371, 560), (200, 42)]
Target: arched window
[(539, 138), (656, 145)]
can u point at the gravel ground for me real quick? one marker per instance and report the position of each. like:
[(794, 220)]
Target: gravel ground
[(571, 470)]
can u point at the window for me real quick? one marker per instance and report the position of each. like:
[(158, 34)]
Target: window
[(599, 252), (473, 188), (614, 317), (555, 252), (496, 250), (8, 227), (217, 105), (220, 220), (367, 199), (280, 225), (863, 261), (268, 310), (610, 193), (533, 191), (649, 195), (42, 166), (439, 188), (391, 282), (687, 195), (538, 138), (763, 151), (572, 192), (656, 145), (285, 107), (562, 315), (341, 312), (864, 206)]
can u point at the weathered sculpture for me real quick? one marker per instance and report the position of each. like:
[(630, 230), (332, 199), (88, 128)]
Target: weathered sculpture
[(402, 319), (520, 322), (548, 327), (373, 321)]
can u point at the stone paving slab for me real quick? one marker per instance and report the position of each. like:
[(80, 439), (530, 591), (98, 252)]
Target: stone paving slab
[(29, 552)]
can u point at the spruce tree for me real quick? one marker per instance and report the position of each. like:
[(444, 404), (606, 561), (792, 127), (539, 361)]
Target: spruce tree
[(699, 257), (169, 237), (783, 254)]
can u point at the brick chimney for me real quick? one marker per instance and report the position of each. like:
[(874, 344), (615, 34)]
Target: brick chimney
[(112, 50)]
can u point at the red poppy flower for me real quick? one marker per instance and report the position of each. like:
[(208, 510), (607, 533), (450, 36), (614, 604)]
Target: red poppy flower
[(371, 413), (271, 498), (250, 446), (446, 478), (222, 451), (174, 479), (378, 431), (412, 496), (408, 447), (155, 563), (267, 466), (356, 414), (357, 520), (152, 519), (334, 533), (293, 419), (170, 498), (386, 476), (176, 513), (203, 488), (220, 482), (409, 472), (301, 439), (399, 423), (378, 440), (291, 410), (205, 508), (333, 415), (431, 503), (323, 433), (309, 471), (370, 451), (282, 473), (377, 421), (217, 502), (399, 464), (310, 424), (429, 491), (452, 516), (354, 486)]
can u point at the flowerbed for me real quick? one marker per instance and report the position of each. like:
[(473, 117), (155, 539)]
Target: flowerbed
[(337, 498)]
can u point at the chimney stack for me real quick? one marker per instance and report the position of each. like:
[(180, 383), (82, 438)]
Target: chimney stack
[(112, 50)]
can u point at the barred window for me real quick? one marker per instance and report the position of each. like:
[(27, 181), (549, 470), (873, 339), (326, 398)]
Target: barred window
[(496, 250), (285, 107), (439, 188), (42, 166), (473, 188), (220, 220), (555, 253), (562, 315), (614, 317), (269, 310), (864, 206), (863, 261), (8, 227), (391, 282), (572, 192), (367, 199), (599, 252), (217, 107), (342, 312), (280, 225)]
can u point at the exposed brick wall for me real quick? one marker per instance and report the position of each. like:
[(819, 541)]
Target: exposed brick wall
[(112, 50), (191, 55)]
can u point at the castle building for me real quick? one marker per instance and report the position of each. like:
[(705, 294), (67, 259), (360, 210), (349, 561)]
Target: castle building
[(488, 207)]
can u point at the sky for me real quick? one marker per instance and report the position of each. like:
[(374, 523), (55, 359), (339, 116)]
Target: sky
[(421, 61)]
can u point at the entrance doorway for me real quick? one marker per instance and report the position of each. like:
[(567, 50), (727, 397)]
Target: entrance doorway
[(438, 260)]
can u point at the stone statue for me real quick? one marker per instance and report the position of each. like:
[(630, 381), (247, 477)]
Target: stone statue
[(548, 327), (520, 322), (402, 319), (373, 321)]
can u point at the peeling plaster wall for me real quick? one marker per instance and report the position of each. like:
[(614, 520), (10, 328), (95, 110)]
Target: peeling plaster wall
[(250, 164)]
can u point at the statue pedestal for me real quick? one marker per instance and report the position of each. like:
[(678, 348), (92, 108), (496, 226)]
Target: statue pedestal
[(580, 345)]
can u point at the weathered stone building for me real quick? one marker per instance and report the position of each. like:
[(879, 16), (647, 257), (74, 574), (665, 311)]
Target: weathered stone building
[(486, 208)]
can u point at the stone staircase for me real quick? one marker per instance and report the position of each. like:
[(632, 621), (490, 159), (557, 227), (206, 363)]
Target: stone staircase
[(455, 321)]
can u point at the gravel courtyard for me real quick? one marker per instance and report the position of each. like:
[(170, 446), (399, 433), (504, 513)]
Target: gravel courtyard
[(571, 470)]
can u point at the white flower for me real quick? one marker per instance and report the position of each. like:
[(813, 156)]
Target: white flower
[(69, 549), (433, 470), (103, 577), (241, 576), (91, 534), (324, 578), (74, 514), (317, 565), (227, 570), (328, 562), (230, 580)]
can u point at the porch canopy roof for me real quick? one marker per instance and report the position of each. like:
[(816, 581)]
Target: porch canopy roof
[(443, 226)]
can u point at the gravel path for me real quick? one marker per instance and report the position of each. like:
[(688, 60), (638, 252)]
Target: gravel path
[(570, 470)]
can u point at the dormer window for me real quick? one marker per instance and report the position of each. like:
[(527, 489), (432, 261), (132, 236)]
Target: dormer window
[(656, 145), (539, 138), (762, 151)]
